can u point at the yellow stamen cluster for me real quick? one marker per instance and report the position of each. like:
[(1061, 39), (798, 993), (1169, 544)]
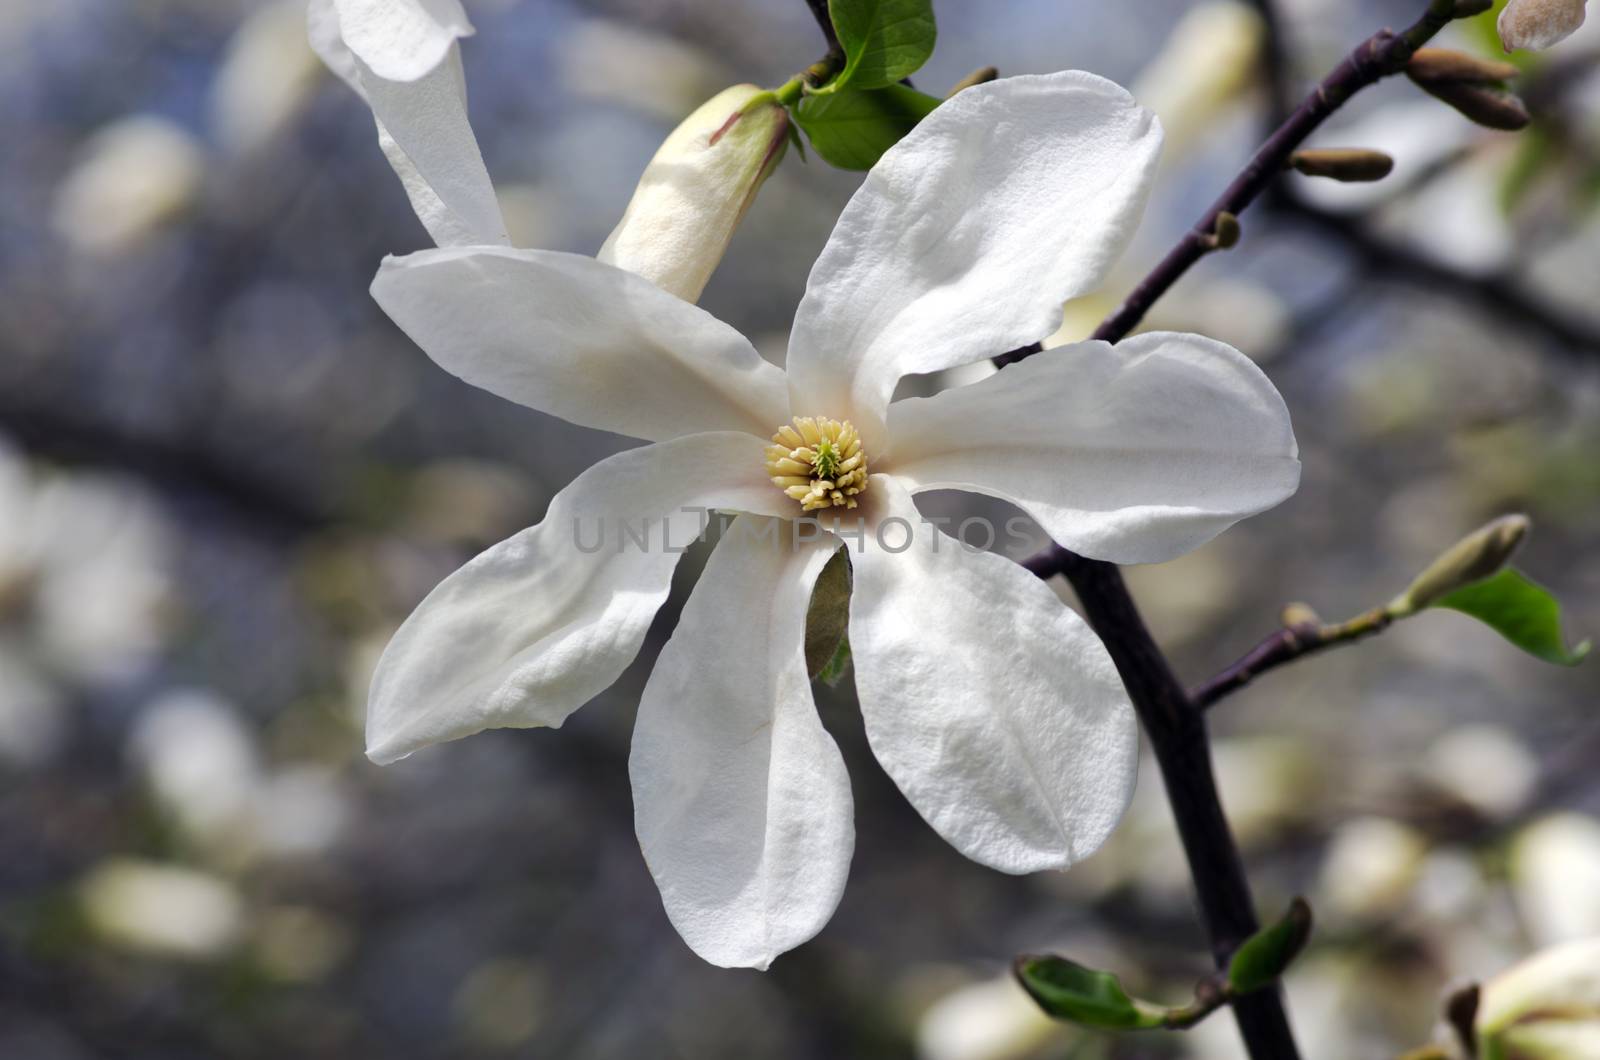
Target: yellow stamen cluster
[(818, 462)]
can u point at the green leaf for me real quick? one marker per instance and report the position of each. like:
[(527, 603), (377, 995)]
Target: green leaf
[(1262, 958), (1068, 991), (838, 666), (1520, 610), (884, 41), (853, 129), (828, 615)]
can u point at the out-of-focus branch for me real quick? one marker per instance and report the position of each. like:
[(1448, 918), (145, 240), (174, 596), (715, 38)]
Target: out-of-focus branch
[(1275, 64), (1499, 293), (185, 468)]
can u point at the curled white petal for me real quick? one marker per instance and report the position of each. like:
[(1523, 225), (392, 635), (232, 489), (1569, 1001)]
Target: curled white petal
[(402, 40), (534, 627), (1133, 453), (968, 235), (424, 131), (992, 705), (589, 342), (740, 796)]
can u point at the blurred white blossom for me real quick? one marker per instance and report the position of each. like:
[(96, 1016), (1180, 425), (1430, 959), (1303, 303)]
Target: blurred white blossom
[(1369, 869), (993, 1019), (198, 758), (129, 180), (267, 76), (1555, 874), (161, 909)]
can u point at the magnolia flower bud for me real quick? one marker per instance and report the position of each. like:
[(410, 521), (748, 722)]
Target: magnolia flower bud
[(1474, 87), (1348, 164), (1472, 559), (1546, 1008), (1537, 24), (1432, 66), (696, 190)]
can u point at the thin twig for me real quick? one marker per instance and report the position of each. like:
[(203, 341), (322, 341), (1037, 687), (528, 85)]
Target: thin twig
[(1382, 55), (1295, 640)]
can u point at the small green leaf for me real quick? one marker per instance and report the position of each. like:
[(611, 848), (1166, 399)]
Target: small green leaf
[(853, 129), (884, 41), (1262, 958), (838, 666), (828, 615), (1068, 991), (1520, 610)]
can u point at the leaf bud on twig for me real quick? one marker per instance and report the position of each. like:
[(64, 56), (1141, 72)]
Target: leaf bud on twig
[(1352, 165), (1472, 559)]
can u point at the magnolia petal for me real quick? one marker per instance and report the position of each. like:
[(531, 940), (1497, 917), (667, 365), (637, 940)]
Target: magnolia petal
[(968, 235), (424, 132), (740, 796), (1133, 453), (1537, 24), (991, 704), (534, 627), (402, 40), (589, 342)]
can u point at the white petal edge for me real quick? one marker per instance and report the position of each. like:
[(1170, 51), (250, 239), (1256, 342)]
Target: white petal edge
[(967, 237), (1134, 453), (589, 342), (741, 800), (537, 625), (424, 131), (402, 40), (989, 702)]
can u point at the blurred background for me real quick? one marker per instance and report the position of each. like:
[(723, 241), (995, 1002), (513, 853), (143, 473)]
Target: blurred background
[(225, 478)]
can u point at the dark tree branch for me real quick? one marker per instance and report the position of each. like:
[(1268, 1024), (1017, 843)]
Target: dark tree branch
[(1177, 734), (1173, 722), (819, 11)]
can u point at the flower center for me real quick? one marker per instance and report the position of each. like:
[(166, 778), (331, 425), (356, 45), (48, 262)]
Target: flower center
[(818, 462)]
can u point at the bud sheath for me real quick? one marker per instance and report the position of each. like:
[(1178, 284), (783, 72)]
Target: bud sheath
[(696, 190)]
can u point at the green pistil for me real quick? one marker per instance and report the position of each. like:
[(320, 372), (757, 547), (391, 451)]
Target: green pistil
[(826, 465)]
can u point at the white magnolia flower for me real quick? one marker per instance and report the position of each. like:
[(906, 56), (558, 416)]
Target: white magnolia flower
[(1537, 24), (993, 706)]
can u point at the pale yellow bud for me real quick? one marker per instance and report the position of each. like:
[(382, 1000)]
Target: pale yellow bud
[(1472, 559), (696, 190), (1546, 1008), (1537, 24)]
